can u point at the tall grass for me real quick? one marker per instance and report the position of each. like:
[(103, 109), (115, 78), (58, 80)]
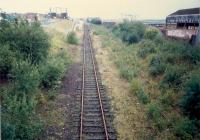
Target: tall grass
[(161, 73), (72, 38)]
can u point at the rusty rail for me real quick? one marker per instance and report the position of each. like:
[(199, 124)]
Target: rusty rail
[(82, 90), (97, 85), (98, 90)]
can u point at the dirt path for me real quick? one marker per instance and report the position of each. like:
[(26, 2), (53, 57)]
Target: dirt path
[(70, 84), (58, 113)]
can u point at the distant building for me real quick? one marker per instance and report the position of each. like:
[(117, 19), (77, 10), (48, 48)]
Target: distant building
[(183, 23), (52, 15), (31, 17), (185, 18), (109, 23), (58, 12), (64, 15)]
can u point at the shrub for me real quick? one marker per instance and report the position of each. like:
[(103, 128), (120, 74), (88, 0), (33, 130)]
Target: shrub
[(7, 131), (23, 47), (157, 66), (142, 96), (191, 100), (136, 88), (191, 54), (130, 37), (52, 95), (146, 47), (153, 111), (7, 59), (127, 73), (19, 116), (54, 69), (173, 75), (130, 32), (29, 40), (25, 77), (72, 38), (167, 98), (96, 21), (185, 129), (151, 33)]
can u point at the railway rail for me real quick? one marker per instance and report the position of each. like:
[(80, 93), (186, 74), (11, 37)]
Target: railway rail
[(95, 117)]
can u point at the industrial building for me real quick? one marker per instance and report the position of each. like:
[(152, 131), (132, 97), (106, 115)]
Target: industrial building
[(58, 12), (186, 18), (183, 23)]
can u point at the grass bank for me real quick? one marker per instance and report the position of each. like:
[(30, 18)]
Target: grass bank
[(150, 83)]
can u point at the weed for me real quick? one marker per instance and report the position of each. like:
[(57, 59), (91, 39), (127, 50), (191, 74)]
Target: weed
[(151, 33), (146, 47), (153, 111), (156, 66), (136, 88), (72, 38), (185, 129), (191, 100), (173, 75)]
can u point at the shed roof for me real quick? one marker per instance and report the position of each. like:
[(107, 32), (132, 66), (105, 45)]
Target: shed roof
[(192, 11), (184, 16)]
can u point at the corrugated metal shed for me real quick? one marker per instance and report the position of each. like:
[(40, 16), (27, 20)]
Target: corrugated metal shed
[(191, 16), (186, 12)]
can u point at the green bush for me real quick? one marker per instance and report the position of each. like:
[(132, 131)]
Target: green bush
[(72, 38), (127, 73), (146, 47), (96, 21), (136, 89), (22, 47), (191, 100), (19, 117), (29, 40), (151, 33), (25, 77), (130, 37), (7, 59), (130, 32), (53, 70), (156, 66), (153, 111), (185, 129), (52, 95), (191, 54), (142, 96), (167, 98), (7, 131), (173, 75), (154, 114)]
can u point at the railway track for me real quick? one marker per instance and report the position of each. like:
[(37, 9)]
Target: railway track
[(95, 117)]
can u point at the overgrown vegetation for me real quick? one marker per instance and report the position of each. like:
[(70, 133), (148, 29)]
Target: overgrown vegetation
[(96, 21), (164, 76), (72, 38), (28, 66), (130, 32)]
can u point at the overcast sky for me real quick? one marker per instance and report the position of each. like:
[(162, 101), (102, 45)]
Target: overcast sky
[(107, 9)]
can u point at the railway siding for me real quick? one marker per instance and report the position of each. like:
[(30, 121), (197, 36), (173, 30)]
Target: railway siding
[(95, 115)]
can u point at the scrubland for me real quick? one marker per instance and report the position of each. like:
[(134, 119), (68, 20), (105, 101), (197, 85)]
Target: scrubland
[(154, 82)]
